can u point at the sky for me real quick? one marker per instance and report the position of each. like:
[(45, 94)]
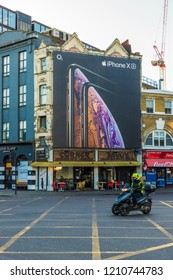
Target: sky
[(100, 22)]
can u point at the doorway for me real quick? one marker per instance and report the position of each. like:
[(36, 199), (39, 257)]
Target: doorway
[(8, 172), (84, 174)]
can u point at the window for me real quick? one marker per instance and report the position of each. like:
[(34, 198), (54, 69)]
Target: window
[(22, 130), (159, 138), (12, 20), (22, 95), (23, 22), (43, 95), (6, 65), (168, 107), (6, 98), (61, 34), (42, 141), (43, 64), (42, 28), (22, 61), (36, 27), (43, 122), (5, 17), (150, 106), (5, 133), (0, 15), (39, 27)]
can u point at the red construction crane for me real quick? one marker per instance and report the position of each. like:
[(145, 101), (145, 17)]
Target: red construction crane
[(161, 54)]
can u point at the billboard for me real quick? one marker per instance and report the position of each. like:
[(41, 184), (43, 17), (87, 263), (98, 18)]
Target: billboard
[(96, 101)]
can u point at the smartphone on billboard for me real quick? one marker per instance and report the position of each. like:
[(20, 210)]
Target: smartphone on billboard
[(100, 129), (76, 80), (77, 77)]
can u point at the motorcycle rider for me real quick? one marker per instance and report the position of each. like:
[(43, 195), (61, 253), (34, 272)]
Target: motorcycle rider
[(137, 187)]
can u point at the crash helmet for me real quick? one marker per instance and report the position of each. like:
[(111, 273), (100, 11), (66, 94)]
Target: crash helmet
[(135, 176)]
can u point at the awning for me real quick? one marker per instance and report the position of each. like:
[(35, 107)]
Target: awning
[(159, 162), (85, 163), (41, 164)]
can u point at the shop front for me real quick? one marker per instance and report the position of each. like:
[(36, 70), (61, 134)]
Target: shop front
[(158, 168), (86, 169), (14, 166), (91, 168)]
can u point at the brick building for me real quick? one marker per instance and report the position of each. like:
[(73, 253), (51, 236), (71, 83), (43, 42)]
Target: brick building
[(157, 136)]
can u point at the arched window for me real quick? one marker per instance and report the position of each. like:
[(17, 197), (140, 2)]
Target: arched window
[(159, 138)]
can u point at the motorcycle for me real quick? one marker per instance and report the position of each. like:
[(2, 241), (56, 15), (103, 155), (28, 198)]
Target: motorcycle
[(124, 203)]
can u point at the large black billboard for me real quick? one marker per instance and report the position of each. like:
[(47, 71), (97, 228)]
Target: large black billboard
[(96, 101)]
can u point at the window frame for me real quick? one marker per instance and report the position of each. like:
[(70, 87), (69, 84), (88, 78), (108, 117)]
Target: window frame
[(43, 122), (22, 95), (43, 94), (22, 130), (22, 61), (6, 66), (158, 139), (5, 132), (43, 64), (150, 109), (5, 98), (168, 110)]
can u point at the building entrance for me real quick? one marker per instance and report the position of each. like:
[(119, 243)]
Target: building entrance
[(118, 175), (8, 172), (84, 178)]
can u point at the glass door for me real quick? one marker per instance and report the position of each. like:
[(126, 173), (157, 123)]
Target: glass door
[(160, 179)]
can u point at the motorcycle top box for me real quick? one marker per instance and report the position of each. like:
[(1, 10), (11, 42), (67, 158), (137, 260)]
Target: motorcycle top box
[(149, 188), (125, 203)]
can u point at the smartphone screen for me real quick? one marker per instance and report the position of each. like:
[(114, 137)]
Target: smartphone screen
[(78, 77), (100, 127), (76, 80)]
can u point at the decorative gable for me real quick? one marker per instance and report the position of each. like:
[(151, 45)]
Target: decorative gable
[(116, 49), (74, 45)]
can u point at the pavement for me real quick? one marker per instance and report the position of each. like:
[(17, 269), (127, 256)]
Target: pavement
[(10, 192)]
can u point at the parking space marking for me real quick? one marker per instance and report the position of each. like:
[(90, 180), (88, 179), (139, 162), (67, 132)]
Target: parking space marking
[(6, 210), (24, 230), (160, 228), (95, 234), (167, 204), (9, 209), (146, 250), (4, 214), (58, 252), (95, 240), (139, 252)]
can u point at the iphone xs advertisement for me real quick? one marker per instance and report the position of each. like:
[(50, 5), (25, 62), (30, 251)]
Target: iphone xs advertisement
[(96, 102)]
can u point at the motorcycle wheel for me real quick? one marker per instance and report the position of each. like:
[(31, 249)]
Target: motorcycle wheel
[(146, 208), (115, 209), (124, 209)]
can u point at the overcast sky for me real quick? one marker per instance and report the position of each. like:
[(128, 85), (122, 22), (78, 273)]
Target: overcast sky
[(100, 22)]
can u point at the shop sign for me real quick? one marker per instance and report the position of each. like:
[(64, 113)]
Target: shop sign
[(116, 155), (163, 164), (23, 171), (158, 154), (40, 155), (159, 162), (74, 155), (7, 148), (8, 165)]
